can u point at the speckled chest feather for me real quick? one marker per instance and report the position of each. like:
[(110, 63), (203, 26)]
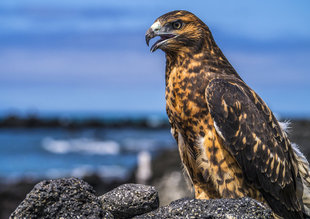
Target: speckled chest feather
[(186, 107)]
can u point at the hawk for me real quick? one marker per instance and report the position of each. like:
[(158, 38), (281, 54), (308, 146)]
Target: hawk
[(229, 141)]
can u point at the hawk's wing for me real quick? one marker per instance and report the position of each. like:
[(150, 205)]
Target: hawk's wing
[(253, 136)]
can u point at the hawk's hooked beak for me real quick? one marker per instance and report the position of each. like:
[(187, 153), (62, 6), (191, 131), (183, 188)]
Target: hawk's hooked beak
[(157, 30)]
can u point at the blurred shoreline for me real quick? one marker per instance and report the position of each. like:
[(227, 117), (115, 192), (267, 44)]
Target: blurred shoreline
[(35, 121)]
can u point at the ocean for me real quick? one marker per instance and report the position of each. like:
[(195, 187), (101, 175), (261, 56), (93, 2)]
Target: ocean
[(53, 152), (47, 145)]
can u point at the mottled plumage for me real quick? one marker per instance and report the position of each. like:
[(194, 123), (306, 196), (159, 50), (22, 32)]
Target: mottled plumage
[(229, 140)]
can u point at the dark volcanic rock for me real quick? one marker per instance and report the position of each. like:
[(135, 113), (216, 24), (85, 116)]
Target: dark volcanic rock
[(66, 198), (129, 200), (74, 198), (244, 208)]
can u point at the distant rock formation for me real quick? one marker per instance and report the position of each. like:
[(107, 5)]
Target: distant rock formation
[(74, 198)]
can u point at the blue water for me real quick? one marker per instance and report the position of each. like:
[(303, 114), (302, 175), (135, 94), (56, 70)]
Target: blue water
[(52, 153)]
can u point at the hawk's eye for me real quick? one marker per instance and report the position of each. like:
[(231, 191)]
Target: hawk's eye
[(177, 25)]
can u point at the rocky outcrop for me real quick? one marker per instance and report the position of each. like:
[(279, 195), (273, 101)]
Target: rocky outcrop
[(74, 198), (130, 200), (61, 198), (215, 208)]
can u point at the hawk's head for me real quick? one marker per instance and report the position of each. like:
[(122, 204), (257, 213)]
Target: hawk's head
[(177, 30)]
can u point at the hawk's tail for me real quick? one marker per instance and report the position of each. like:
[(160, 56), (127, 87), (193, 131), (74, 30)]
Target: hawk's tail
[(304, 172), (303, 186)]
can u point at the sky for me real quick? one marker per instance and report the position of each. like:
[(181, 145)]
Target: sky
[(78, 55)]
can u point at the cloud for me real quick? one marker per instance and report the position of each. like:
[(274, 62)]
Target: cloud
[(78, 66)]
